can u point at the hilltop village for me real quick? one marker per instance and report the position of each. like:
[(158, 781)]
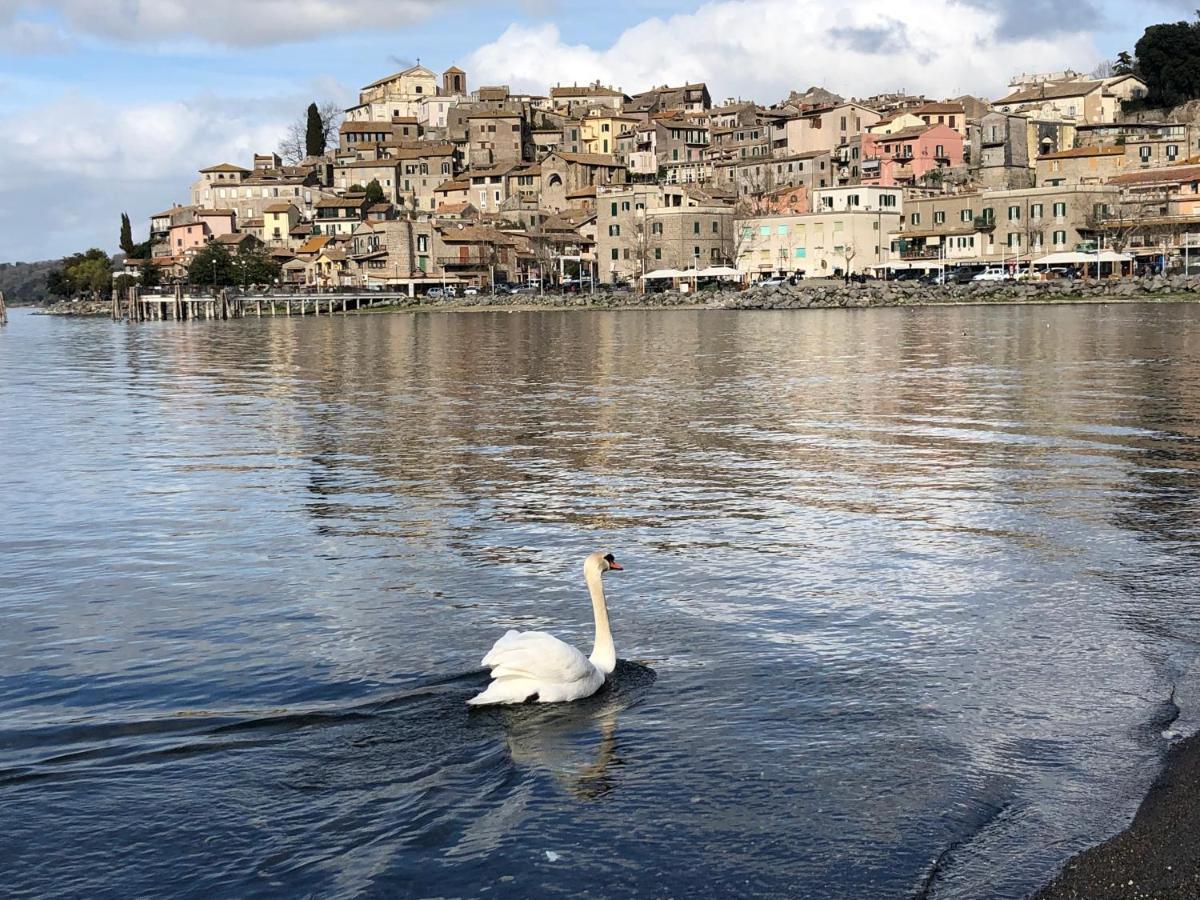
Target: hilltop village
[(433, 182)]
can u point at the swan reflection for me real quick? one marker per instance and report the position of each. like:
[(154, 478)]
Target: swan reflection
[(576, 743)]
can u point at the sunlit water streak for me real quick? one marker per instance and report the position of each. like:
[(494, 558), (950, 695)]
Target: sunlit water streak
[(902, 586)]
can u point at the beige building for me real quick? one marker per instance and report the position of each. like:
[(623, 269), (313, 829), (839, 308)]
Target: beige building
[(816, 245), (997, 227), (644, 227), (497, 136), (1081, 102), (823, 129), (1079, 165), (397, 95), (280, 220), (569, 176)]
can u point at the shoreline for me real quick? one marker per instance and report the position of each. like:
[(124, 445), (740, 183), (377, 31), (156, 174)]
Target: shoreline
[(744, 301), (1156, 855)]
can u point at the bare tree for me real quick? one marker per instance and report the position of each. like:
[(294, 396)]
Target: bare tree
[(1106, 68), (293, 146)]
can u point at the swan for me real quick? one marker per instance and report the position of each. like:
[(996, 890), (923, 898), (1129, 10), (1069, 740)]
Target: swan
[(532, 666)]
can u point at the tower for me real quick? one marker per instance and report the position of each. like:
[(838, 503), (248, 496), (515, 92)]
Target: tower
[(454, 81)]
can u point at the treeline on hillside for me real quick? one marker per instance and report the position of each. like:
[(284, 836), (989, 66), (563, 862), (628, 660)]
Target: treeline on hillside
[(1167, 58), (24, 284)]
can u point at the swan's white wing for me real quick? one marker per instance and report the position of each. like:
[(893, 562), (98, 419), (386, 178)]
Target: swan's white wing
[(533, 664), (539, 656)]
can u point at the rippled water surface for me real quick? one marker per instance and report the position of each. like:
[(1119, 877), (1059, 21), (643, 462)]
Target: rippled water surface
[(906, 595)]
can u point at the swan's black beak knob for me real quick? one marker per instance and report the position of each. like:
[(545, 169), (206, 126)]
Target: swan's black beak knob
[(612, 562)]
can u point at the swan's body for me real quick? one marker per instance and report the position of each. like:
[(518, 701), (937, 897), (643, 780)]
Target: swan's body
[(532, 666)]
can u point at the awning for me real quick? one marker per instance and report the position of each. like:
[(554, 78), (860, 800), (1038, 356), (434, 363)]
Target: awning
[(719, 272), (665, 273), (1075, 258)]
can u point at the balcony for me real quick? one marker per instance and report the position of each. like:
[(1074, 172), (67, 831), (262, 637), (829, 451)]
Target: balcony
[(985, 223), (474, 260)]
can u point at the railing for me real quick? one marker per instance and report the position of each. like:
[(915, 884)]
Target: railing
[(985, 223)]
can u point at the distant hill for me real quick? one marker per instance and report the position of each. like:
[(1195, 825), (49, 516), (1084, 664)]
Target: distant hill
[(24, 284)]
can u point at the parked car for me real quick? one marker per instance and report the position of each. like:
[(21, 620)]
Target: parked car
[(963, 275), (773, 279), (470, 291), (933, 278), (992, 273)]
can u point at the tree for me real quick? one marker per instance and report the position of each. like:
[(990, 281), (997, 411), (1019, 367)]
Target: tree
[(255, 267), (314, 132), (151, 275), (1168, 60), (127, 244), (81, 274), (295, 145), (375, 192), (1106, 68), (212, 265), (1125, 64)]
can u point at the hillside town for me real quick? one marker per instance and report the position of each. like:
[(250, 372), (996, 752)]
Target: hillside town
[(431, 184)]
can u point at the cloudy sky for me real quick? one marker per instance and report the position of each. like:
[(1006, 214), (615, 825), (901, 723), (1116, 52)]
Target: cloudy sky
[(112, 105)]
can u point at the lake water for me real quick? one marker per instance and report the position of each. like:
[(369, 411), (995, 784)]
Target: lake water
[(906, 594)]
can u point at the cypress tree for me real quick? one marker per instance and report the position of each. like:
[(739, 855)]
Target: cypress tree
[(127, 244), (314, 134)]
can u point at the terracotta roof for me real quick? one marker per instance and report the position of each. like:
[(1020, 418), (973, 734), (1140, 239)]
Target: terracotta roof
[(368, 127), (588, 159), (454, 184), (1083, 152), (935, 108), (588, 90), (1166, 175), (225, 167), (589, 191), (223, 213), (332, 203), (277, 208), (1052, 92), (454, 70), (454, 208), (313, 244), (388, 163)]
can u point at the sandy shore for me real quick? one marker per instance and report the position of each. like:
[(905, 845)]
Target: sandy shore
[(1158, 855)]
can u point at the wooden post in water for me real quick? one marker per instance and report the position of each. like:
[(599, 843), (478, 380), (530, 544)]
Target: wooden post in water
[(116, 305), (258, 309), (3, 310)]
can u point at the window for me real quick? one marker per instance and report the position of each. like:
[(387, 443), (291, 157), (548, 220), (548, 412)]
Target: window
[(1014, 214), (716, 227), (764, 230), (1014, 239), (916, 218), (1060, 210), (939, 151), (966, 215), (887, 199), (695, 228), (1060, 238), (422, 243), (939, 218), (625, 206), (656, 228), (614, 208), (1144, 153), (1035, 211), (614, 230), (616, 254), (782, 230), (658, 252)]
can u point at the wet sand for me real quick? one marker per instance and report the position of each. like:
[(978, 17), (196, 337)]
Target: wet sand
[(1158, 855)]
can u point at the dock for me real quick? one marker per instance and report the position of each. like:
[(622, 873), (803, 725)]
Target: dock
[(135, 306)]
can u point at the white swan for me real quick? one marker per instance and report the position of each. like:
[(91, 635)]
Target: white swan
[(531, 666)]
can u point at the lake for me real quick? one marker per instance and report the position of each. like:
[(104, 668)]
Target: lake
[(906, 596)]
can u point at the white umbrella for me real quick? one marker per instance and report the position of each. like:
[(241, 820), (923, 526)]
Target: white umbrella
[(719, 272)]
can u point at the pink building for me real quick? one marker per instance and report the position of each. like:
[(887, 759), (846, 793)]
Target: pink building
[(903, 158), (186, 239)]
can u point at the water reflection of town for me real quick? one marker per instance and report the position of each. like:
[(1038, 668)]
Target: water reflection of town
[(606, 420)]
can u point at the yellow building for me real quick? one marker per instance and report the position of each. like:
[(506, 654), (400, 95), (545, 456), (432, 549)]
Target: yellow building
[(599, 130)]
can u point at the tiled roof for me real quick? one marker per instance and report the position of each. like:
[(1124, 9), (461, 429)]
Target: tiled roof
[(1166, 175), (225, 167), (1084, 152), (1052, 92)]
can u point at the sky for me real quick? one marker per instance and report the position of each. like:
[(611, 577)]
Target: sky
[(111, 106)]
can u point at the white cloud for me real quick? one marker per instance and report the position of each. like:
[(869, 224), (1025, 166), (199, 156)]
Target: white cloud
[(761, 49), (238, 23), (68, 169)]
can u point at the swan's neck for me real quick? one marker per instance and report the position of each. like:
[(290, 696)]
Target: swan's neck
[(604, 654)]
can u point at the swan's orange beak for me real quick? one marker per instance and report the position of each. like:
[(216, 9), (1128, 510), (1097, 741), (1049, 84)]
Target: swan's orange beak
[(615, 566)]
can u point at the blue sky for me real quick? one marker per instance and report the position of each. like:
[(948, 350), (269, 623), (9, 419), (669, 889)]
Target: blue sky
[(108, 107)]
